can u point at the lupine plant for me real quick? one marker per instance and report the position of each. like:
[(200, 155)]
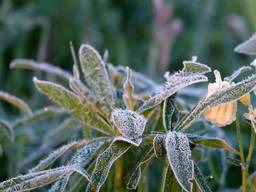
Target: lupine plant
[(128, 122)]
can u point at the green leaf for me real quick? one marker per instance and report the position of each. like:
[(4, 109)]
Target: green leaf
[(30, 64), (72, 104), (39, 115), (212, 142), (96, 77), (130, 124), (189, 75), (81, 158), (170, 114), (43, 164), (144, 160), (6, 131), (232, 93), (15, 101), (104, 162), (179, 156), (39, 179), (195, 67), (169, 182), (200, 180), (237, 73), (159, 145), (248, 47)]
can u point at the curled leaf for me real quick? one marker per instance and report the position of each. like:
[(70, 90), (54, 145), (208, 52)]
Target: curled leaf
[(15, 101), (30, 64)]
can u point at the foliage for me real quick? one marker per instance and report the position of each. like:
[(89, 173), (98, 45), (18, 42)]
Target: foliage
[(116, 128)]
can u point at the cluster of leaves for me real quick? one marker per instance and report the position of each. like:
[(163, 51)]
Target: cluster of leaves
[(123, 113)]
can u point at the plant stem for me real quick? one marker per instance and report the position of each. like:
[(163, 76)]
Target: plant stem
[(118, 175), (252, 141), (240, 141), (244, 168)]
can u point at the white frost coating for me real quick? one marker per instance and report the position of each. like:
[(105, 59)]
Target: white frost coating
[(191, 73), (130, 124), (179, 156)]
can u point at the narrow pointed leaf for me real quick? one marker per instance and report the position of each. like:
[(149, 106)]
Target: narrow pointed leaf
[(39, 115), (136, 174), (96, 76), (200, 180), (170, 183), (159, 145), (179, 157), (212, 142), (6, 131), (189, 75), (43, 164), (237, 73), (248, 47), (103, 164), (226, 95), (32, 65), (170, 114), (38, 179), (72, 104), (15, 101)]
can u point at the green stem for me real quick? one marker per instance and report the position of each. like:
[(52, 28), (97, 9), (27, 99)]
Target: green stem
[(244, 169), (240, 141), (118, 175), (251, 146)]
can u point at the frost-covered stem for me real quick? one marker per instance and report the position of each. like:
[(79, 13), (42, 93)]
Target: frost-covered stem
[(118, 175)]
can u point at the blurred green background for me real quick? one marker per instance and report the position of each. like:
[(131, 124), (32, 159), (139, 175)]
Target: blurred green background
[(150, 36)]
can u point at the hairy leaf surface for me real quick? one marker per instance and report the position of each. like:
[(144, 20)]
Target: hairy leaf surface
[(179, 156), (71, 102)]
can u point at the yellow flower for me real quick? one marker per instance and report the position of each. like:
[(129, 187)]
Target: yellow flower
[(223, 114)]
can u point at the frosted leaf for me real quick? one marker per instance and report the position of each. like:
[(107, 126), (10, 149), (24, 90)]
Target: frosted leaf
[(159, 145), (30, 64), (128, 88), (103, 164), (248, 47), (212, 142), (173, 84), (200, 180), (136, 141), (39, 115), (179, 157), (195, 67), (17, 102), (6, 131), (81, 158), (136, 174), (96, 76), (130, 124), (226, 95), (43, 164), (169, 182), (72, 104), (61, 184), (170, 114), (38, 179), (237, 73)]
